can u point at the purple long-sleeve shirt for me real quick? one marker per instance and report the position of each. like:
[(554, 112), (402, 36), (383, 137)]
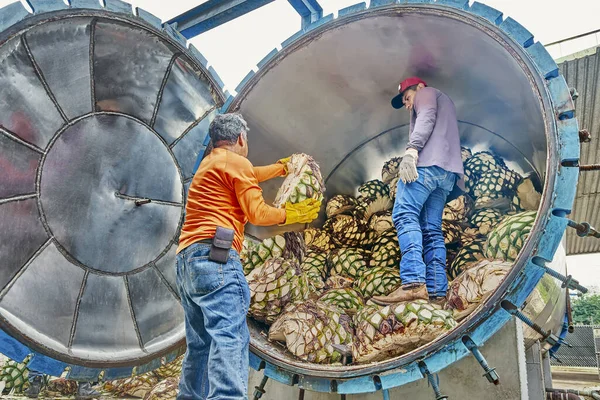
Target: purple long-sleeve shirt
[(434, 131)]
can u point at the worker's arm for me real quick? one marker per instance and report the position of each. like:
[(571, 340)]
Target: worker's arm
[(249, 195), (426, 108), (269, 172)]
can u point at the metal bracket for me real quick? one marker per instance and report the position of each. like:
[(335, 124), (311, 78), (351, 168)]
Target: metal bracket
[(584, 229), (574, 93), (567, 281), (309, 10), (490, 373), (585, 136), (433, 381), (547, 336), (260, 389), (589, 167)]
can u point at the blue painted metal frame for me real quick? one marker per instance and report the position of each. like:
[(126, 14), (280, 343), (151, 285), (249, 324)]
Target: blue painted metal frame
[(213, 13), (553, 223), (309, 10)]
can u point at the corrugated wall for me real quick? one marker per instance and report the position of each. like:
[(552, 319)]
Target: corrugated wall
[(584, 75), (582, 353)]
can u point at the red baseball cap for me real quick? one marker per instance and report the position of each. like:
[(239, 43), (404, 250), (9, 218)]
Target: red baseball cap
[(405, 84)]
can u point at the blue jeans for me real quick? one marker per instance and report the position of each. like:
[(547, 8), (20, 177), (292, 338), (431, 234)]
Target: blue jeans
[(215, 299), (417, 216)]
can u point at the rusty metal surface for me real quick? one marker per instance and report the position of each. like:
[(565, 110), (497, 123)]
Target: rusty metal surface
[(584, 75)]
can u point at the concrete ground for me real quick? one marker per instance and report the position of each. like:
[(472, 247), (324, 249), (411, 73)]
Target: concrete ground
[(575, 378)]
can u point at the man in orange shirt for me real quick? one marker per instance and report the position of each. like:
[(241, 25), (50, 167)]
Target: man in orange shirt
[(214, 294)]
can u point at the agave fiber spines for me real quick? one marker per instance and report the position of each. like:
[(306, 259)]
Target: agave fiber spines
[(172, 369), (384, 332), (378, 281), (317, 239), (340, 204), (304, 181), (386, 251), (349, 262), (137, 386), (466, 257), (473, 285), (273, 285), (166, 389), (347, 299), (507, 239), (310, 330), (485, 219)]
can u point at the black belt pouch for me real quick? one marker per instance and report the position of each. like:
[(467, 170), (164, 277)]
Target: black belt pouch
[(221, 244)]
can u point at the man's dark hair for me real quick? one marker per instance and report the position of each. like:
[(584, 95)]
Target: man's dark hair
[(227, 128)]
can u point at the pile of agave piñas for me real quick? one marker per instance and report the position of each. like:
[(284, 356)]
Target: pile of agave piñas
[(314, 287)]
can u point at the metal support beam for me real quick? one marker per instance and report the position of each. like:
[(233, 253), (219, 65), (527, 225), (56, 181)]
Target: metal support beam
[(309, 10), (212, 14)]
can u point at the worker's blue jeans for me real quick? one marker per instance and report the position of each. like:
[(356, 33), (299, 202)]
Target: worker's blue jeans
[(417, 216), (215, 299)]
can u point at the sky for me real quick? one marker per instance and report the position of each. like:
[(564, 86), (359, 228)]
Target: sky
[(235, 48)]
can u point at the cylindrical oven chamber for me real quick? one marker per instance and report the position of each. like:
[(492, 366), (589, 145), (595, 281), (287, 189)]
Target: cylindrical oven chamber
[(327, 93), (83, 248)]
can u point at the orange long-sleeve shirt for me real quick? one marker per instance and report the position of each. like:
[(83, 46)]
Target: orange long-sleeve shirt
[(225, 192)]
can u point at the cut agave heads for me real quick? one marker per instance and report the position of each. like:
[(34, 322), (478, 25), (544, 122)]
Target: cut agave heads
[(386, 251), (347, 299), (273, 285), (472, 286), (311, 329), (374, 197), (349, 231), (485, 219), (458, 209), (381, 222), (390, 170), (384, 332), (378, 281), (303, 182), (466, 257), (477, 165), (317, 239), (340, 204), (348, 262), (288, 245), (507, 239), (314, 266)]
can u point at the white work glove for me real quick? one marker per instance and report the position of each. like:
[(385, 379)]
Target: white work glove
[(408, 166)]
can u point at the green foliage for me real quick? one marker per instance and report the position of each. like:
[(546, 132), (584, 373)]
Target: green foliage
[(586, 310)]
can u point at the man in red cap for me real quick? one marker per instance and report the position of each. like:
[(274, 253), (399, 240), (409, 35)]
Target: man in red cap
[(428, 171)]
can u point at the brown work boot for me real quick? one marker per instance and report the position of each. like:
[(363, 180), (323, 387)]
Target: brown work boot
[(438, 301), (409, 292)]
